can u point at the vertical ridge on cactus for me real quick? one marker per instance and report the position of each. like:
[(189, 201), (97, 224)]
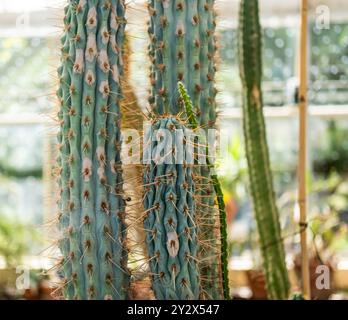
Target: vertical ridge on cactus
[(170, 213), (92, 208), (260, 176), (182, 48)]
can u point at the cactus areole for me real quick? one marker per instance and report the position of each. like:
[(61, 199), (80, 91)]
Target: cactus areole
[(91, 204)]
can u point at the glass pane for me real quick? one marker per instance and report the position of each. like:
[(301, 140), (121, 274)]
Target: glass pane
[(25, 75)]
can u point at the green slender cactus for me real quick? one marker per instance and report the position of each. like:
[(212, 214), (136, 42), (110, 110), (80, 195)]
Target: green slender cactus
[(260, 176), (170, 205), (91, 204), (182, 48)]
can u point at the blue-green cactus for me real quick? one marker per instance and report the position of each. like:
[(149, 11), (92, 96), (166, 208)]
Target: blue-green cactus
[(91, 204), (182, 48), (170, 212)]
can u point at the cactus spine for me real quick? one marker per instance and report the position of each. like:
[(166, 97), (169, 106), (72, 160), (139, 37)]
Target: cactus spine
[(261, 184), (170, 207), (91, 218), (182, 48)]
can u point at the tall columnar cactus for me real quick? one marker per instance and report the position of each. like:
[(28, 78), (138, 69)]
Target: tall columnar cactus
[(91, 204), (182, 48), (261, 184), (170, 212)]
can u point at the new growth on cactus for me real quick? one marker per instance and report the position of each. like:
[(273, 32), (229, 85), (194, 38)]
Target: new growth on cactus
[(170, 211), (91, 204), (182, 48), (260, 176)]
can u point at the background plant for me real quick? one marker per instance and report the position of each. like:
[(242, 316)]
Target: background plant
[(16, 240)]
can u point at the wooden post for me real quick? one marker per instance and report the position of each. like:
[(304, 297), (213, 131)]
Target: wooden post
[(302, 192), (47, 178)]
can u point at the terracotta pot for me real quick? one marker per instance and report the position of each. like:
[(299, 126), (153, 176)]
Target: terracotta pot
[(314, 262), (257, 284)]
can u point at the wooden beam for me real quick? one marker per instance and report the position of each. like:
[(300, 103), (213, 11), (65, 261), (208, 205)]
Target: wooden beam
[(302, 166)]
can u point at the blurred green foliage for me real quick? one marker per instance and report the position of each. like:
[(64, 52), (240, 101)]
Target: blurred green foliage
[(333, 157), (25, 75), (16, 238)]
